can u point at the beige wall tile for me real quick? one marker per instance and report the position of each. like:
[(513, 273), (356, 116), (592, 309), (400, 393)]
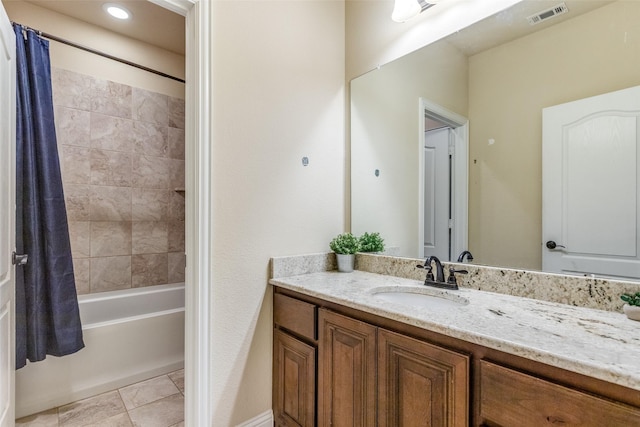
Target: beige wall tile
[(75, 164), (176, 143), (110, 203), (150, 139), (111, 98), (82, 274), (110, 238), (111, 133), (150, 204), (149, 270), (176, 206), (72, 126), (176, 236), (177, 173), (122, 154), (150, 172), (71, 89), (150, 107), (110, 168), (177, 261), (176, 112), (110, 273), (149, 237), (76, 198), (79, 235)]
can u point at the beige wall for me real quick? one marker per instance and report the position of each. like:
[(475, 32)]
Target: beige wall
[(278, 85), (385, 136), (70, 58), (508, 87)]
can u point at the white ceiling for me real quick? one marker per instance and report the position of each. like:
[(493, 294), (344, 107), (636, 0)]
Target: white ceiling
[(511, 23), (149, 23), (157, 26)]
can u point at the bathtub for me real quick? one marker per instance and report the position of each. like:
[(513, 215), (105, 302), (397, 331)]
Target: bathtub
[(129, 335)]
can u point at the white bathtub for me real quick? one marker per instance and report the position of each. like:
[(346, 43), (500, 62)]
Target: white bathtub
[(129, 336)]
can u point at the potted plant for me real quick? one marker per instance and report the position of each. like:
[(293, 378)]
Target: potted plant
[(632, 306), (371, 242), (345, 246)]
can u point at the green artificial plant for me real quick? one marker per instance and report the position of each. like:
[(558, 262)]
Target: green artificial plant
[(345, 244), (371, 242), (631, 299)]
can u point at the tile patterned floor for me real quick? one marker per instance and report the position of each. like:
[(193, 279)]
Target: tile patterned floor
[(158, 402)]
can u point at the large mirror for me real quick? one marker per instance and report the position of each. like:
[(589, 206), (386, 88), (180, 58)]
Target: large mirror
[(499, 74)]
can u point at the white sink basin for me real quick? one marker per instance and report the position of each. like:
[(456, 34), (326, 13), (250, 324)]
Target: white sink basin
[(432, 299)]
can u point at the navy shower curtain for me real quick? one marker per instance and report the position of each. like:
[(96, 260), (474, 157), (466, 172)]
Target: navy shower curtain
[(47, 316)]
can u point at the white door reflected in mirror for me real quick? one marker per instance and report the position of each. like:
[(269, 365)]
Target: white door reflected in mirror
[(590, 161)]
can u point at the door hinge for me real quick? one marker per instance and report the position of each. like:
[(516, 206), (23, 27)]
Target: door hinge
[(450, 223), (452, 148)]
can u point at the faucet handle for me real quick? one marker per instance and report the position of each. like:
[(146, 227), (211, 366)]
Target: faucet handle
[(452, 275), (428, 268)]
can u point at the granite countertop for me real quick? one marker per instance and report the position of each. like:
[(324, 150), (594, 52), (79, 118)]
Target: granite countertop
[(600, 344)]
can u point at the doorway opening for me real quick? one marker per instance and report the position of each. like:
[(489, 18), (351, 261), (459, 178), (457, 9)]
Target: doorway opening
[(135, 121), (443, 182)]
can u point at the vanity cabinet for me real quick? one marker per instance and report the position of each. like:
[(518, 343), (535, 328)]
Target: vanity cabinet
[(511, 398), (338, 366), (370, 376)]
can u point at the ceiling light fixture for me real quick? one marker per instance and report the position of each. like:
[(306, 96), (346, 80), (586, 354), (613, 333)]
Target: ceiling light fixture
[(403, 10), (116, 11)]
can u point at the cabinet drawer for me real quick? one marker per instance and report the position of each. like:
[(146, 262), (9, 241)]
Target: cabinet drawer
[(297, 316), (511, 398)]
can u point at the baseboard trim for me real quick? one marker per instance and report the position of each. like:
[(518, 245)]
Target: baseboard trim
[(263, 420)]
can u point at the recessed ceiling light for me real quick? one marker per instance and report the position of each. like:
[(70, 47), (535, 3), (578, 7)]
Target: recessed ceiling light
[(116, 11)]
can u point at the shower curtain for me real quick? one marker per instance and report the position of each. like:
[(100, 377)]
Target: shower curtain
[(47, 316)]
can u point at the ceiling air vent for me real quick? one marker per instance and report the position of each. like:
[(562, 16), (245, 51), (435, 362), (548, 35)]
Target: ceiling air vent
[(537, 18)]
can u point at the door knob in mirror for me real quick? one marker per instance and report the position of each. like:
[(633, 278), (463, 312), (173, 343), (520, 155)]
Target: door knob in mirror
[(553, 245)]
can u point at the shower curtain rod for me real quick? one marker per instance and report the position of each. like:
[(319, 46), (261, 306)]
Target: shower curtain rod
[(97, 52)]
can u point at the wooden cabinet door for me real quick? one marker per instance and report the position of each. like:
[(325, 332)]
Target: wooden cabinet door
[(294, 381), (420, 384), (346, 372)]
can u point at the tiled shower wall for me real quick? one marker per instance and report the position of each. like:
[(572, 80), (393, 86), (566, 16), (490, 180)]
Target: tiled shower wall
[(122, 156)]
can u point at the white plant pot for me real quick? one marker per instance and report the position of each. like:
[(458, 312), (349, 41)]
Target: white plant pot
[(632, 311), (346, 262)]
